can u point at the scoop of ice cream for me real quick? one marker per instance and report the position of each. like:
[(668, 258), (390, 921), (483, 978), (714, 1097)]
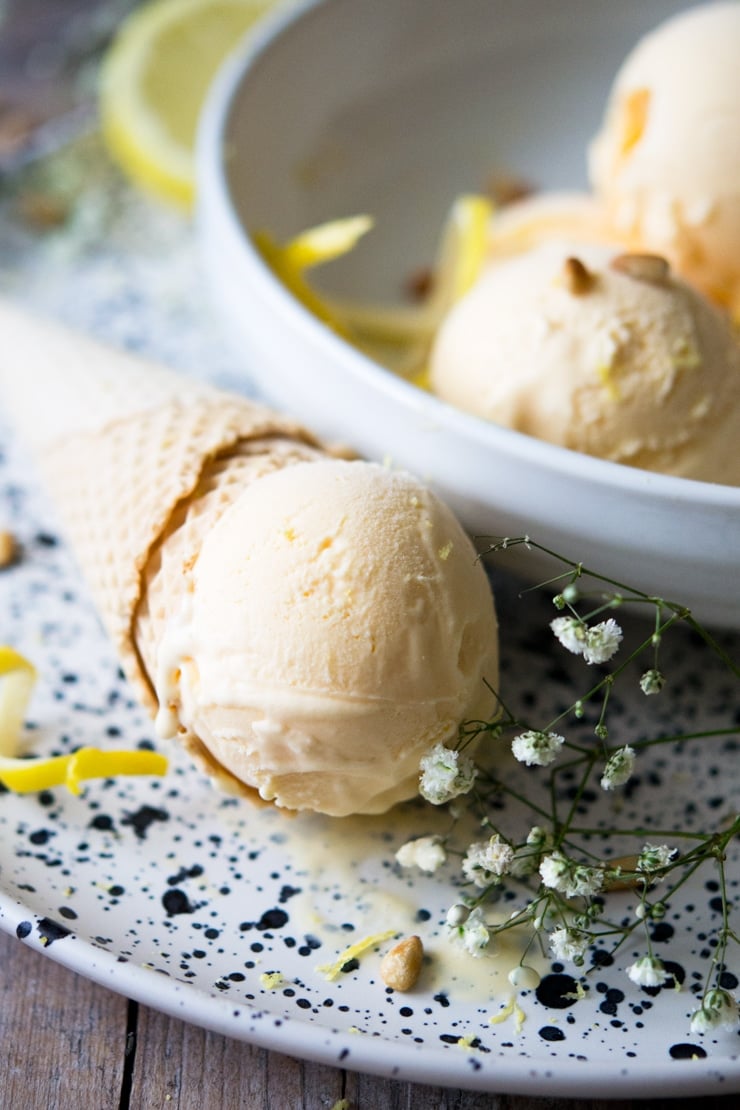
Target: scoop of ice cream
[(542, 217), (603, 353), (666, 162), (337, 626)]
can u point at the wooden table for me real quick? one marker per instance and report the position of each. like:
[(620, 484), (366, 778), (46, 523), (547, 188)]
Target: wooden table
[(67, 1042)]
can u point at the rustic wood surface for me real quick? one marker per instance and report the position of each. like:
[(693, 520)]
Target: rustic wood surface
[(69, 1044)]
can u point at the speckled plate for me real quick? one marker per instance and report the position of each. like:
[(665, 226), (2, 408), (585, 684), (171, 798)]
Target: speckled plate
[(224, 915)]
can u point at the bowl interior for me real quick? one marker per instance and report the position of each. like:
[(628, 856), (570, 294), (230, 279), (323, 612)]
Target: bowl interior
[(395, 107)]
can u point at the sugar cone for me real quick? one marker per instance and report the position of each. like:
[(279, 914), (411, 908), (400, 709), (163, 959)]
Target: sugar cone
[(140, 463)]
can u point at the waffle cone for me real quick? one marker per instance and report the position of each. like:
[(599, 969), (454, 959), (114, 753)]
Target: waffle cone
[(139, 462)]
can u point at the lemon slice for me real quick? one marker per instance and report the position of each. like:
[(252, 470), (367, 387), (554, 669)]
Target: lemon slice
[(154, 80)]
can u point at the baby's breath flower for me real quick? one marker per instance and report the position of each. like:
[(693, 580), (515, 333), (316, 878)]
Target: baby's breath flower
[(618, 768), (602, 640), (472, 932), (537, 748), (718, 1010), (596, 644), (487, 860), (425, 852), (445, 774), (569, 944), (571, 631), (652, 681), (457, 915), (654, 857), (570, 878), (648, 971), (538, 837), (524, 977), (527, 857)]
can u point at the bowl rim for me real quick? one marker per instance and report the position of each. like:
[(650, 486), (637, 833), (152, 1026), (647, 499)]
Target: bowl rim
[(214, 195)]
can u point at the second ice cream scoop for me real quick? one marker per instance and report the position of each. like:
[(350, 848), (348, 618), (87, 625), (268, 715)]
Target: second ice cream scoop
[(666, 161), (603, 352)]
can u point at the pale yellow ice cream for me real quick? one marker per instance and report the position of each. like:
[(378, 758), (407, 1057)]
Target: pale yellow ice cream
[(666, 162), (334, 627), (542, 217), (603, 353)]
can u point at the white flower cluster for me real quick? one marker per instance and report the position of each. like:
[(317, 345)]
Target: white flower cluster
[(596, 643), (652, 681), (445, 774), (570, 878), (527, 857), (654, 857), (618, 769), (569, 944), (719, 1010), (536, 748), (469, 928), (486, 861), (425, 852), (648, 971)]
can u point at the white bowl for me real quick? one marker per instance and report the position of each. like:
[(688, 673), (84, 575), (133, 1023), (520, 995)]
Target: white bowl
[(394, 107)]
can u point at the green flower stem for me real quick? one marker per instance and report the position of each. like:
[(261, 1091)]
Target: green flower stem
[(504, 789), (562, 829)]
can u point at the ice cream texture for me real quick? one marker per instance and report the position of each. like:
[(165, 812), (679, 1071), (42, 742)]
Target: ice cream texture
[(307, 626), (666, 161), (604, 352), (335, 631)]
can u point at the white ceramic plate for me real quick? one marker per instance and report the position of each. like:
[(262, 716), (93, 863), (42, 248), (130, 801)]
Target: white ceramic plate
[(394, 107), (173, 895)]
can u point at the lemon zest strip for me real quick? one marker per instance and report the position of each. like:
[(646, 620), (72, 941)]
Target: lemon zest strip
[(462, 250), (18, 676), (334, 970), (310, 248), (327, 241), (25, 776)]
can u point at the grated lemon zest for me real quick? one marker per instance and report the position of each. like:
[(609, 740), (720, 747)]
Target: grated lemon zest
[(502, 1015), (511, 1008), (25, 776), (271, 980), (466, 1043), (334, 970)]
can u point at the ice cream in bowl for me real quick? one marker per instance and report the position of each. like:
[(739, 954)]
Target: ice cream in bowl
[(393, 110)]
